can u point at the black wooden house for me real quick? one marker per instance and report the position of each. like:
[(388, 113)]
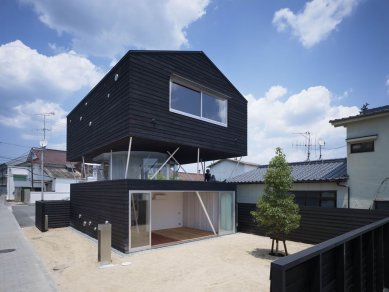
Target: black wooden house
[(153, 112)]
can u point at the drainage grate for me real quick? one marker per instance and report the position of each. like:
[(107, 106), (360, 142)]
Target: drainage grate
[(7, 250)]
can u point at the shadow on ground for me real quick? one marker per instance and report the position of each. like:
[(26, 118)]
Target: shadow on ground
[(262, 253)]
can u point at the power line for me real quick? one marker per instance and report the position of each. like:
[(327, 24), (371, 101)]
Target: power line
[(334, 148), (17, 145)]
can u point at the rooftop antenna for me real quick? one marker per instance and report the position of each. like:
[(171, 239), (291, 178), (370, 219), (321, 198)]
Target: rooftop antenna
[(322, 144), (307, 143), (43, 144)]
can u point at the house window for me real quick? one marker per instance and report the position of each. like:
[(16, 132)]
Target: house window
[(20, 177), (198, 104), (324, 199), (362, 147)]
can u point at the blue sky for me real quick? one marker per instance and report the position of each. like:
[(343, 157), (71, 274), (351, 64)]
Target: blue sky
[(298, 63)]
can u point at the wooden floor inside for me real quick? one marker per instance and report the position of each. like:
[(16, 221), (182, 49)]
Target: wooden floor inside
[(166, 236)]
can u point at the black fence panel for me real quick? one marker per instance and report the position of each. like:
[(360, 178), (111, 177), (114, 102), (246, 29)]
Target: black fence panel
[(317, 224), (58, 213), (354, 261)]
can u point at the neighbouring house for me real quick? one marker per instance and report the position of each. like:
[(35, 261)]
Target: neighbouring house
[(367, 157), (320, 183), (225, 169), (22, 177), (153, 112)]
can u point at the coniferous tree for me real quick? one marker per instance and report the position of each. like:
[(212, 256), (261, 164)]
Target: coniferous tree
[(276, 210)]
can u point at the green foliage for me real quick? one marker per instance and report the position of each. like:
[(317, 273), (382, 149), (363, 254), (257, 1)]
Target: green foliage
[(276, 209)]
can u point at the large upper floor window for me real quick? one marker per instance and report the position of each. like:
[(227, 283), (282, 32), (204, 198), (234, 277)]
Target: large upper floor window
[(198, 104)]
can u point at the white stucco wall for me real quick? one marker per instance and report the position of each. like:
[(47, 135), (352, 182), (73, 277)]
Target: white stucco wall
[(250, 193), (225, 168), (63, 184), (166, 210), (36, 196), (369, 169)]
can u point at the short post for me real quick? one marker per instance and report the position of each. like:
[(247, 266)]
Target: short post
[(104, 243), (46, 223)]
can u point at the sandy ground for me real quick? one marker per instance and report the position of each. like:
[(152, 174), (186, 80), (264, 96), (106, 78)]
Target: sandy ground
[(238, 262)]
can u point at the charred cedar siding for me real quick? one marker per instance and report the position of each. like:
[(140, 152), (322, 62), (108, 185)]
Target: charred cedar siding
[(149, 98), (99, 202), (317, 224), (109, 116), (141, 96), (58, 213), (109, 201)]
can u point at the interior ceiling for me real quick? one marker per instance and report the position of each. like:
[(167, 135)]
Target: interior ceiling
[(185, 154)]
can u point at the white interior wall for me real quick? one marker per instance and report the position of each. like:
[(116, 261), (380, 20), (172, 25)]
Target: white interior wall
[(166, 210), (194, 215)]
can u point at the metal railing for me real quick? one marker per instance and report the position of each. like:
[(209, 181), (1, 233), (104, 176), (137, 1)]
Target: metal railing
[(355, 261)]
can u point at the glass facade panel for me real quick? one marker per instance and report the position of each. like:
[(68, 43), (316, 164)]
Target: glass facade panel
[(214, 108), (140, 229), (226, 202), (185, 100)]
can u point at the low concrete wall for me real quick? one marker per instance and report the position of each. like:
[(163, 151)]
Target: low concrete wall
[(48, 196)]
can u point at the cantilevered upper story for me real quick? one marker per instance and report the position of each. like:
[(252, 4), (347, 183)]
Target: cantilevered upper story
[(163, 100)]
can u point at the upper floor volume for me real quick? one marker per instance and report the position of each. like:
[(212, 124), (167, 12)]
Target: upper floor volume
[(163, 100)]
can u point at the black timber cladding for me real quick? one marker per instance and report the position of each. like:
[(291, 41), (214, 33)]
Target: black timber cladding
[(98, 202), (58, 213), (317, 224), (139, 107)]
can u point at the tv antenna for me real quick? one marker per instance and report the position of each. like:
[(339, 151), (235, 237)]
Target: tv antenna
[(308, 145), (321, 145)]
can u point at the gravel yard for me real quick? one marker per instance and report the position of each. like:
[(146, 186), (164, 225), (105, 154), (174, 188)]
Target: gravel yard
[(237, 262)]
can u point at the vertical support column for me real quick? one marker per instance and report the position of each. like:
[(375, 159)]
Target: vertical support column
[(198, 159), (316, 271), (379, 247), (370, 268), (110, 166), (357, 256), (340, 267), (386, 254), (128, 157), (83, 174), (42, 180)]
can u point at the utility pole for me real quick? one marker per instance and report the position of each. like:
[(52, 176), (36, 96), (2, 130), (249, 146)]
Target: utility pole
[(43, 144)]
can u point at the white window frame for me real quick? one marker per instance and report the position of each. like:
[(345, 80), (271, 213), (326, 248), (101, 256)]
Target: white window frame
[(196, 87)]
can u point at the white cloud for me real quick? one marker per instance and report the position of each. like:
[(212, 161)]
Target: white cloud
[(318, 19), (110, 28), (387, 83), (274, 122), (28, 118), (26, 74)]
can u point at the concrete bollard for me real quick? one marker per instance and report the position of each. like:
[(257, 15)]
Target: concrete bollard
[(104, 243), (46, 223)]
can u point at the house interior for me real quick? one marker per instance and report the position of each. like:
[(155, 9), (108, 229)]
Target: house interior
[(160, 218)]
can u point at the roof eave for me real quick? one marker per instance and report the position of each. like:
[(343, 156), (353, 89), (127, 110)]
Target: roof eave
[(349, 120)]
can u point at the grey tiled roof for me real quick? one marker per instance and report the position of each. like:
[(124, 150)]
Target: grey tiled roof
[(312, 171), (368, 112)]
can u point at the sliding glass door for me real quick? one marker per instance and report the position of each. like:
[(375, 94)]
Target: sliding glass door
[(140, 225), (227, 213)]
